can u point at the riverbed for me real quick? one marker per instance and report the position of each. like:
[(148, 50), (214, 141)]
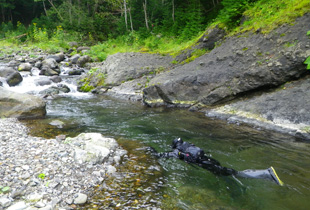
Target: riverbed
[(171, 183), (180, 185)]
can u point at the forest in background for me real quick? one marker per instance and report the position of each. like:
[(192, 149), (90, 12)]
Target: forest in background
[(163, 26)]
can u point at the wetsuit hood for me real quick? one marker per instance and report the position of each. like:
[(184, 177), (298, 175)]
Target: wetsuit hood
[(176, 142)]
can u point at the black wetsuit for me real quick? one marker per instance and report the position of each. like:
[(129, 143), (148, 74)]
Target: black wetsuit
[(193, 154)]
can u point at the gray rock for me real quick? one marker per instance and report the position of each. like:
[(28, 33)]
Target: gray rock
[(11, 76), (92, 147), (18, 206), (49, 67), (43, 82), (75, 58), (75, 71), (25, 67), (73, 44), (83, 60), (20, 105), (227, 74), (285, 109), (5, 202), (56, 79), (82, 48), (57, 57), (80, 199)]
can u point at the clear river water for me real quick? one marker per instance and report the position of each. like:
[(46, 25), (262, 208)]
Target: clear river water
[(172, 183)]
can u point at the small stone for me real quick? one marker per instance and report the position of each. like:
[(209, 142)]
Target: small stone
[(18, 206), (5, 202), (25, 167), (40, 204), (80, 199)]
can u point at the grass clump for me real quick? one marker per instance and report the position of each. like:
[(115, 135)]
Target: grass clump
[(266, 15)]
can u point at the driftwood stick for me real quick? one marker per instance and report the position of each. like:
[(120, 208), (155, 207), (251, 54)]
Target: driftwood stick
[(15, 37)]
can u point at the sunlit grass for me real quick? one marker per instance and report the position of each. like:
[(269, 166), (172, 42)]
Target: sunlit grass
[(267, 15)]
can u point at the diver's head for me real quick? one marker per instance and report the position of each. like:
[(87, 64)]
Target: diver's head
[(176, 142)]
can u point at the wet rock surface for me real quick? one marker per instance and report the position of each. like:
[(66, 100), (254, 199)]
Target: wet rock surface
[(285, 110), (39, 173), (241, 64), (21, 106)]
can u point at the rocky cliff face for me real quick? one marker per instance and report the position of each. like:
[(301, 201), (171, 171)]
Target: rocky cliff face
[(236, 69), (239, 65)]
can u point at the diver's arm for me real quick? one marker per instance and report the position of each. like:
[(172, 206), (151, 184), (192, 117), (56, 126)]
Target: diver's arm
[(171, 154)]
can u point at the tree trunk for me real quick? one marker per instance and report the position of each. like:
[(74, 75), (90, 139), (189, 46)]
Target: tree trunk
[(3, 16), (173, 10), (51, 2), (70, 11), (131, 25), (145, 15), (44, 8), (125, 12)]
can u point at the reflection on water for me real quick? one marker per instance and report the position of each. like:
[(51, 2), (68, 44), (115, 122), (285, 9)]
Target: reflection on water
[(185, 186)]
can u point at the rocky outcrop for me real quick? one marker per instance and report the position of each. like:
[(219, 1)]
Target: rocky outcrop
[(122, 67), (286, 109), (20, 105), (239, 65)]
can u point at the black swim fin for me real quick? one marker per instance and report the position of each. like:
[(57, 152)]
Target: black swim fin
[(269, 174)]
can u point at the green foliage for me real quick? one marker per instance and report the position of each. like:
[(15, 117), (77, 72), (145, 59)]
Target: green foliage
[(307, 62), (4, 189), (195, 54), (269, 14), (232, 12), (41, 176)]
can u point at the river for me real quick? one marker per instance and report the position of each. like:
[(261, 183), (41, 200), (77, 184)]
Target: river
[(174, 184)]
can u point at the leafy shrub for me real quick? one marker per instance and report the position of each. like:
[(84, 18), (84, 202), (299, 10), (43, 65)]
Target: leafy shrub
[(232, 11)]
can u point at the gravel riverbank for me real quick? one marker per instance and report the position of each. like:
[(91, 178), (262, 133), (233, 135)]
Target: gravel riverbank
[(37, 173)]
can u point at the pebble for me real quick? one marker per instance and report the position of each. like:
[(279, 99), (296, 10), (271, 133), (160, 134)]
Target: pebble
[(38, 173)]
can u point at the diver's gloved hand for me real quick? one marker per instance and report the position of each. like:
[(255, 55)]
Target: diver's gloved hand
[(153, 151)]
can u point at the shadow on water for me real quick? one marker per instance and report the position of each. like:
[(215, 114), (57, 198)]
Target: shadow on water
[(178, 185)]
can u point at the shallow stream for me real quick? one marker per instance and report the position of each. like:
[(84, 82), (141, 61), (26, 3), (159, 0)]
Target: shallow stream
[(174, 184)]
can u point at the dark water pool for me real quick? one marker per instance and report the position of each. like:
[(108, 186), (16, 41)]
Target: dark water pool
[(183, 186)]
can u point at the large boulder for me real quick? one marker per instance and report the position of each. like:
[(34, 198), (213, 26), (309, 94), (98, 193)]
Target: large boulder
[(12, 77), (238, 66), (122, 67), (83, 60), (49, 67), (22, 106), (57, 57), (95, 148), (25, 67), (286, 109)]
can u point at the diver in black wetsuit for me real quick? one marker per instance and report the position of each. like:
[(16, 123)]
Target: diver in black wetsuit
[(193, 154)]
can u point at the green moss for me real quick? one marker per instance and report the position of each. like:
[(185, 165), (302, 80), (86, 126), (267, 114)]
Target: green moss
[(86, 87), (195, 54)]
